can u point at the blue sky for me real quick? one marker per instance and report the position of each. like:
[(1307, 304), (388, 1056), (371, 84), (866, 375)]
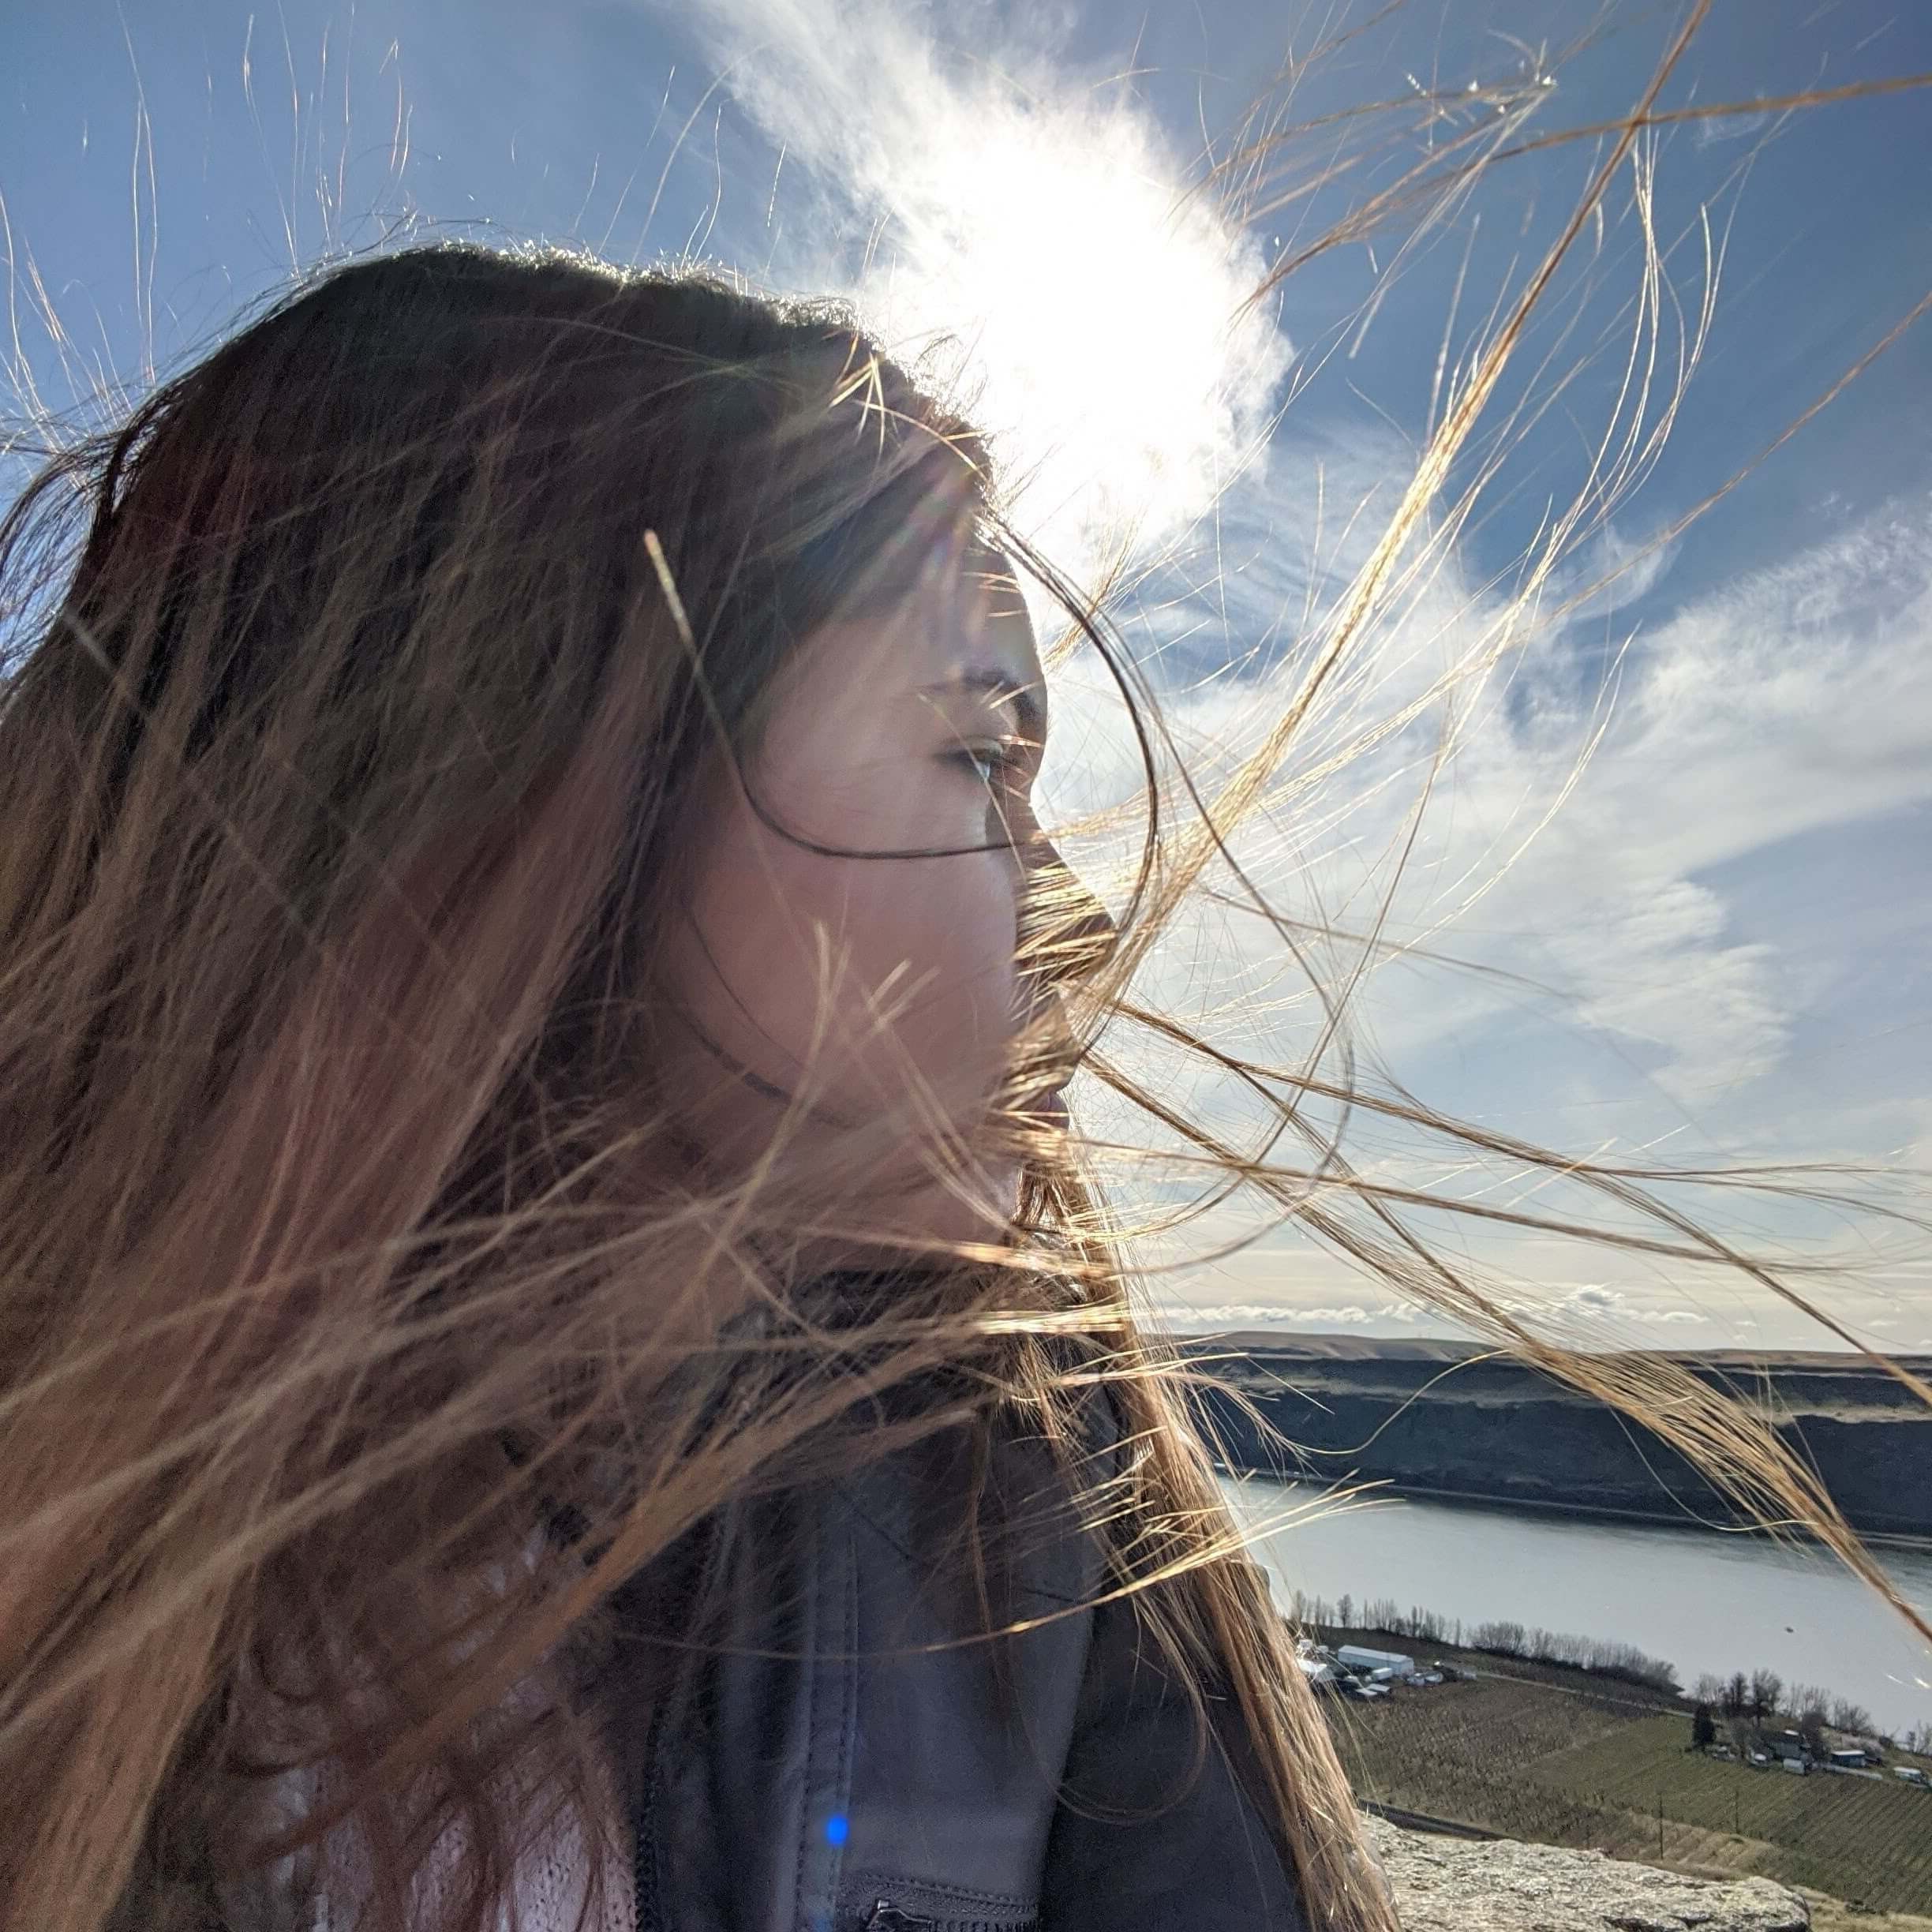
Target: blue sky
[(1728, 919)]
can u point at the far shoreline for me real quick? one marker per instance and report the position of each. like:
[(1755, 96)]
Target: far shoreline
[(1454, 1422), (1683, 1522)]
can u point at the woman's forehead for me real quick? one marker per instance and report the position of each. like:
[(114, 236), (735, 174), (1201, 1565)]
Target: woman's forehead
[(969, 629), (982, 636)]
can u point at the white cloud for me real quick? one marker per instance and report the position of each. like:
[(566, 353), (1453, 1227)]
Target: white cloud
[(1598, 1304), (1609, 572), (1796, 701), (1795, 698), (1793, 703), (1263, 1315), (994, 194), (979, 191), (1595, 1309), (1720, 128)]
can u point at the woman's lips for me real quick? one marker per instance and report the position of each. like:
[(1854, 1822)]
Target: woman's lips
[(1055, 1055)]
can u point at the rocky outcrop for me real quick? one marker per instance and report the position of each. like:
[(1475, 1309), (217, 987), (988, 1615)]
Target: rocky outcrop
[(1451, 1885)]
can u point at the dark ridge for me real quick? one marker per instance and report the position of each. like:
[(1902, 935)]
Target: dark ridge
[(1454, 1419)]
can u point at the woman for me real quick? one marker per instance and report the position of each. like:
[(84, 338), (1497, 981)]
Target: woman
[(557, 1369)]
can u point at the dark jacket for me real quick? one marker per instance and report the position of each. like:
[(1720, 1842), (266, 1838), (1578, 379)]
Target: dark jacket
[(854, 1752)]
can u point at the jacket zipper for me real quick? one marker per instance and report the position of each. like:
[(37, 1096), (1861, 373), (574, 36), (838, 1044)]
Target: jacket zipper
[(885, 1916), (648, 1907)]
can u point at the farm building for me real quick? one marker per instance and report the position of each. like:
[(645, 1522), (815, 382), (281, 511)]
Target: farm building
[(1354, 1656)]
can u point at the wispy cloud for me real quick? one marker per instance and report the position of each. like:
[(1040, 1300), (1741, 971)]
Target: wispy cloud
[(1597, 1303), (1794, 701), (1613, 569), (1599, 1309), (1787, 710), (1030, 226), (1267, 1314)]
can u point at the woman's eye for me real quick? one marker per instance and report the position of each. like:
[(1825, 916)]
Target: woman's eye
[(993, 763)]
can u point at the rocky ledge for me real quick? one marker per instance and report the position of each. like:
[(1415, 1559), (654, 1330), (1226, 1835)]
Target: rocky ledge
[(1454, 1885)]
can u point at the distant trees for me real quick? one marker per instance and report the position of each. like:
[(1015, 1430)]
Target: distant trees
[(1810, 1709), (1374, 1613), (1846, 1715), (1809, 1706), (1602, 1655), (1506, 1639), (1502, 1638), (1801, 1698), (1739, 1699), (1383, 1613)]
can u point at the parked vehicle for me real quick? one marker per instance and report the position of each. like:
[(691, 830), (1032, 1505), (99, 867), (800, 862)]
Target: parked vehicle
[(1384, 1663)]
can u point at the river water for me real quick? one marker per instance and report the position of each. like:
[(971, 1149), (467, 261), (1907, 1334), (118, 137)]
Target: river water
[(1704, 1600)]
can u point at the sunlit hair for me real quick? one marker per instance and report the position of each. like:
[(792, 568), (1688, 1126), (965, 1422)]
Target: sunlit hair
[(347, 1247), (365, 1323)]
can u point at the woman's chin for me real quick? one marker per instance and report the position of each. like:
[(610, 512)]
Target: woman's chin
[(920, 1215), (935, 1227)]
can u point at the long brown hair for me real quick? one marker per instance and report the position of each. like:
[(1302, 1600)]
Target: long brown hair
[(345, 1247)]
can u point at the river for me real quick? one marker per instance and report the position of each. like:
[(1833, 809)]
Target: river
[(1704, 1600)]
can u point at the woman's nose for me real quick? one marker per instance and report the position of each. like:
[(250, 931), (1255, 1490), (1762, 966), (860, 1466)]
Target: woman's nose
[(1070, 934)]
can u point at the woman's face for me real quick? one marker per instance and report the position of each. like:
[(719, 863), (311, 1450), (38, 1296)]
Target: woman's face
[(851, 956)]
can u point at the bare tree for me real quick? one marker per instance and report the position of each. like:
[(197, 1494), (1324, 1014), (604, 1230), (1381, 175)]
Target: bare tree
[(1766, 1688), (1846, 1715), (1800, 1698)]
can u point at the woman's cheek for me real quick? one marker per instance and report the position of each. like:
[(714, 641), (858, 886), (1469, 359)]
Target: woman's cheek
[(929, 942), (943, 929), (975, 927)]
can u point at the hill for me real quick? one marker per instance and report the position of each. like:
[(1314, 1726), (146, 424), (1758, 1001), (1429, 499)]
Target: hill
[(1451, 1419), (1567, 1759)]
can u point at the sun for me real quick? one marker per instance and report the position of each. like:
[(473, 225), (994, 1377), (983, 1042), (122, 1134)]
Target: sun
[(1051, 260)]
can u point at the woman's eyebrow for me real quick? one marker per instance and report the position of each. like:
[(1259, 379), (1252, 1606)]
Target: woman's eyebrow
[(989, 681)]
